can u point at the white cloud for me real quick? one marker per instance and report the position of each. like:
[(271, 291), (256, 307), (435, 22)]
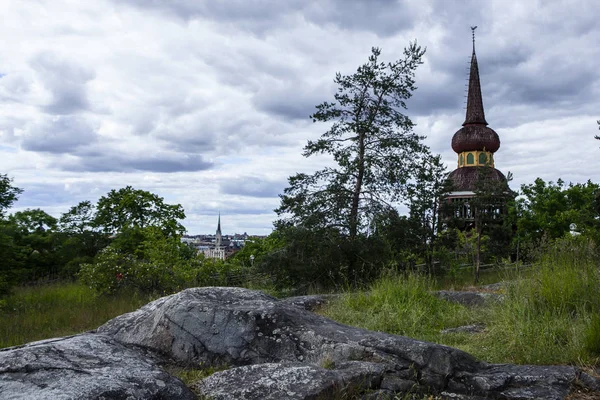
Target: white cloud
[(206, 103)]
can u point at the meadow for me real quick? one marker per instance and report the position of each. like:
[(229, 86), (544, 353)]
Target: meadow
[(549, 315), (59, 309)]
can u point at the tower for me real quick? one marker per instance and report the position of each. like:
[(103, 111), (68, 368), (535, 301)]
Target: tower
[(218, 235), (475, 144)]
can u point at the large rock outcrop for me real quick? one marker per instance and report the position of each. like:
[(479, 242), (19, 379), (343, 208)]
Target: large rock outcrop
[(273, 350), (239, 327), (85, 366)]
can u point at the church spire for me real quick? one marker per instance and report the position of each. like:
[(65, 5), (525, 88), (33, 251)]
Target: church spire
[(219, 235), (475, 113)]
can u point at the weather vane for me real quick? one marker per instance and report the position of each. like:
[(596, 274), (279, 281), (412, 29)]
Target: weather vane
[(473, 33)]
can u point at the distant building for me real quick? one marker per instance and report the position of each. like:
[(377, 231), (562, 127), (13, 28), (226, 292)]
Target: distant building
[(217, 251)]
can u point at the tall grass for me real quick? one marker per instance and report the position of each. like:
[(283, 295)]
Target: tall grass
[(402, 305), (45, 311), (551, 315)]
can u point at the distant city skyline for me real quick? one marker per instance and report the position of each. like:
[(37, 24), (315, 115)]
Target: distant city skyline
[(206, 103)]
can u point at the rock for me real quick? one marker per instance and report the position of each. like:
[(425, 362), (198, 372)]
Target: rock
[(276, 345), (86, 366), (474, 328), (469, 299), (274, 350), (311, 302), (234, 326), (293, 381)]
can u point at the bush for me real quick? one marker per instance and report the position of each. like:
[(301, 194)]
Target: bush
[(158, 265)]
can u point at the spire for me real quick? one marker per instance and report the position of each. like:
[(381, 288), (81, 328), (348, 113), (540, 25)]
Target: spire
[(475, 114), (218, 236)]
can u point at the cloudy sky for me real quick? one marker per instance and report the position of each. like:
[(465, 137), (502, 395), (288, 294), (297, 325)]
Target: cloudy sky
[(206, 102)]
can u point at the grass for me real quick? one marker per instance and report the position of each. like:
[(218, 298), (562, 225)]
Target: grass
[(401, 305), (59, 309), (549, 316)]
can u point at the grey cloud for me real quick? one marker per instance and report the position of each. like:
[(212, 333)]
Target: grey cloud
[(37, 195), (292, 101), (384, 17), (58, 135), (66, 82), (252, 186), (115, 162)]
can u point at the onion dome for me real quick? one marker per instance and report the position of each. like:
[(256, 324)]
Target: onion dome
[(474, 138), (475, 135), (464, 179)]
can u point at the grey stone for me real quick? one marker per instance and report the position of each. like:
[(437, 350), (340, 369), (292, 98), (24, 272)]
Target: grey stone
[(294, 381), (310, 302), (275, 350), (395, 383), (237, 327), (469, 299), (86, 366)]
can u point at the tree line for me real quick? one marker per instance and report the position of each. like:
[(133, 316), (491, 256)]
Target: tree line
[(340, 225)]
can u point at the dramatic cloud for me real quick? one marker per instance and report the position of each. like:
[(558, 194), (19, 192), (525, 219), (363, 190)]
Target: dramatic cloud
[(59, 134), (206, 103), (65, 81)]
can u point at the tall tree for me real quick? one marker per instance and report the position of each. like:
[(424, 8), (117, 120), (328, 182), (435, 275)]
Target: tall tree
[(8, 193), (424, 194), (79, 218), (372, 144), (34, 220), (129, 208)]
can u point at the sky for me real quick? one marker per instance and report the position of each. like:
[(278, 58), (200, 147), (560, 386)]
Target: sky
[(206, 103)]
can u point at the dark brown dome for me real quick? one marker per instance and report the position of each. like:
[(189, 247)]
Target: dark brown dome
[(475, 137), (464, 178)]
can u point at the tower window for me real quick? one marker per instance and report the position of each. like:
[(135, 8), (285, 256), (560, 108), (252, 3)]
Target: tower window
[(470, 159), (482, 159), (461, 160)]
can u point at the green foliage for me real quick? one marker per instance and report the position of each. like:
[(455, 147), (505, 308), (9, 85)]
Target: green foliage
[(547, 210), (255, 249), (371, 142), (156, 264), (8, 193), (423, 200), (550, 315), (79, 219), (311, 260), (129, 208)]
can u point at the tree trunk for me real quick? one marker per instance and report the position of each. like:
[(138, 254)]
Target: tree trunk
[(478, 253), (357, 187)]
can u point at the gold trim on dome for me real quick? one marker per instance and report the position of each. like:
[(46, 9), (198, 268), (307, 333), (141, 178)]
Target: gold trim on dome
[(475, 159)]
